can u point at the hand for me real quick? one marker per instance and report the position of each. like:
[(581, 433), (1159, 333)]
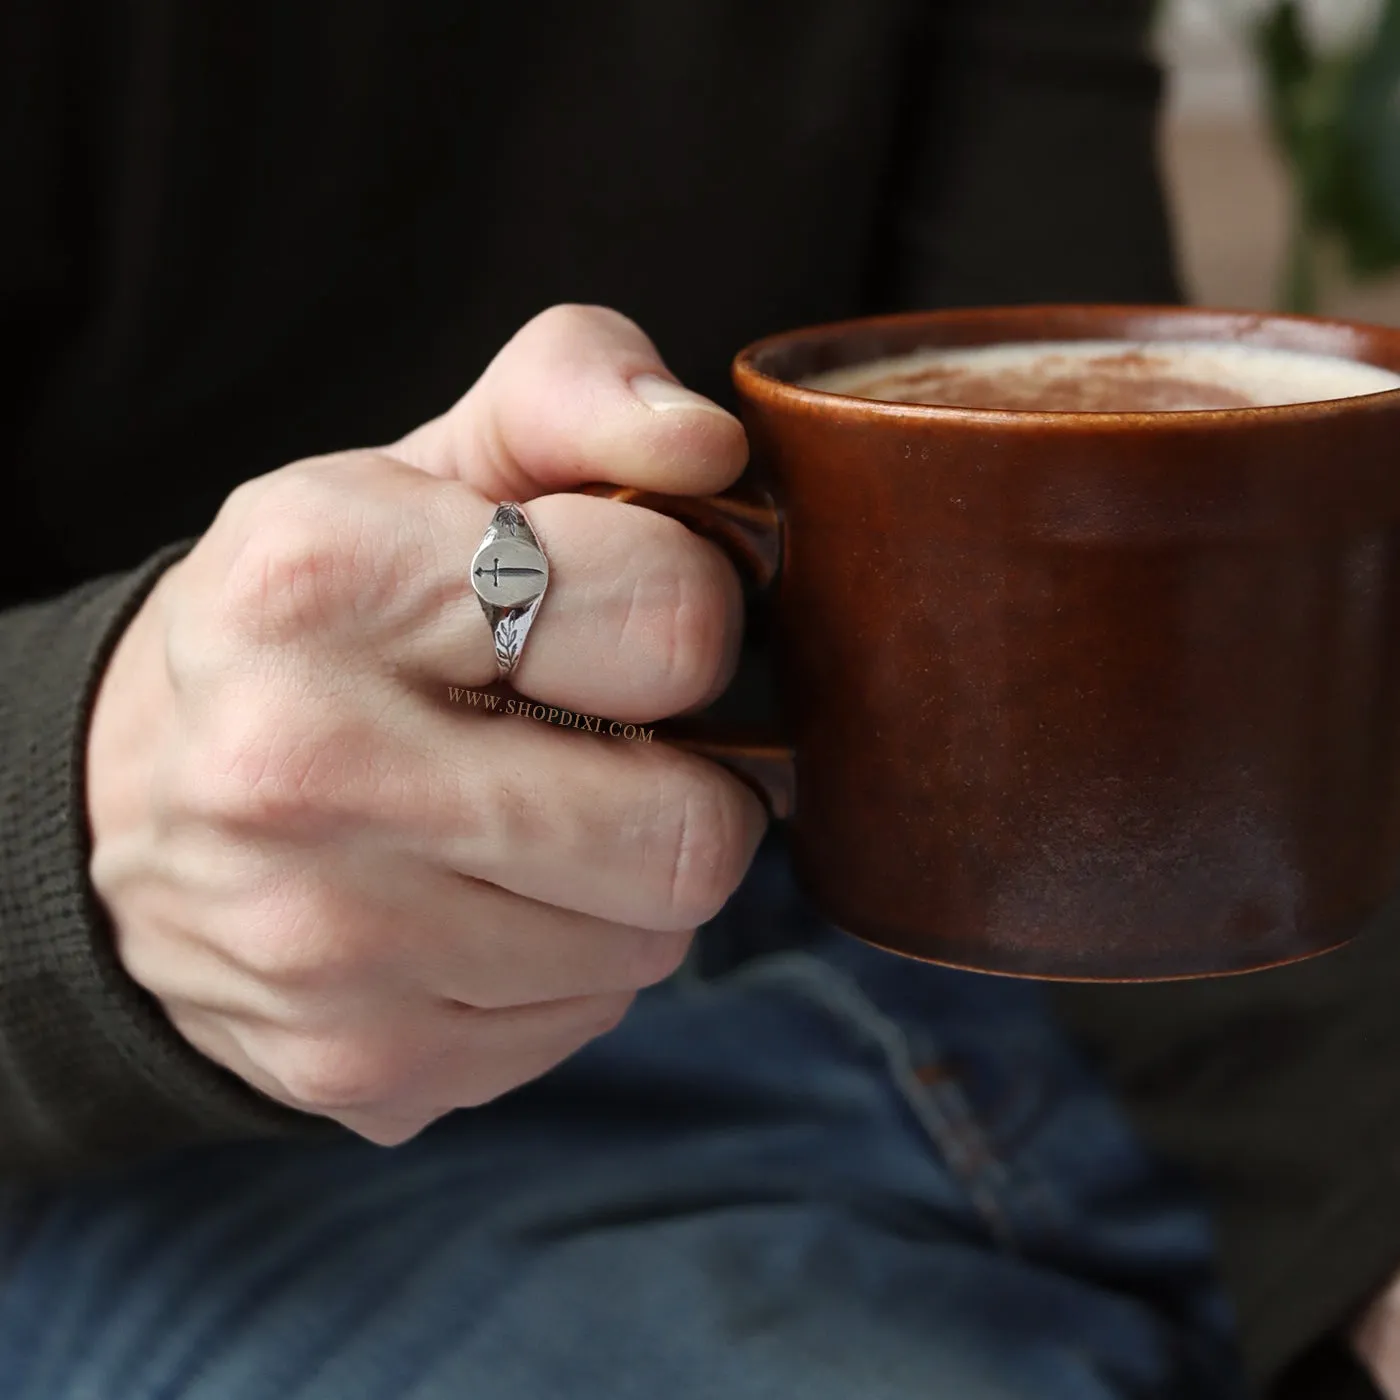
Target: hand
[(372, 904)]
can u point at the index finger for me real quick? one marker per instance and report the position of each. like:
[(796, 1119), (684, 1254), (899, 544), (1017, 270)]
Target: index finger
[(579, 394)]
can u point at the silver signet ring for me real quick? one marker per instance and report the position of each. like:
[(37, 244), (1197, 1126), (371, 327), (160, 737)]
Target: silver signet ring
[(509, 574)]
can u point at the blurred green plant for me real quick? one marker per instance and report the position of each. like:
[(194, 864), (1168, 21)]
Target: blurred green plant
[(1336, 116)]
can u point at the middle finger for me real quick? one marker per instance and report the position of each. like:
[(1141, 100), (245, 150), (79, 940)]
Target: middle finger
[(640, 618)]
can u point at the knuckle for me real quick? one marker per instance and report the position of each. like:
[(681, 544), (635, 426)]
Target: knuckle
[(305, 560), (609, 1015), (709, 849), (342, 1074), (659, 954), (289, 763), (309, 944), (387, 1132), (569, 322), (281, 583), (690, 646)]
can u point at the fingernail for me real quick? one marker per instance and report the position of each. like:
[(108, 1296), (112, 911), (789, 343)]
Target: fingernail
[(662, 394)]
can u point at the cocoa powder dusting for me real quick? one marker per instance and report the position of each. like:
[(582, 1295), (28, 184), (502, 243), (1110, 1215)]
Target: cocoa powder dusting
[(1126, 382)]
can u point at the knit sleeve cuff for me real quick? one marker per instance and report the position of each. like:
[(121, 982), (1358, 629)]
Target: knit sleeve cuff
[(91, 1070)]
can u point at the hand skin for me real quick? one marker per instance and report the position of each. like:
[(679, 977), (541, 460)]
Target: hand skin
[(369, 903)]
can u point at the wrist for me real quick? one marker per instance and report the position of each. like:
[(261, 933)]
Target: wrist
[(127, 719)]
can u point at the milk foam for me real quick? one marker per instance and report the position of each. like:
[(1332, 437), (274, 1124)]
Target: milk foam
[(1258, 376)]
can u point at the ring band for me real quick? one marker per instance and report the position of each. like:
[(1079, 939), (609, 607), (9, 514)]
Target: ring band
[(509, 574)]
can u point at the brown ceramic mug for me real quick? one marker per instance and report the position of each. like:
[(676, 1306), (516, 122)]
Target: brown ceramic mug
[(1076, 695)]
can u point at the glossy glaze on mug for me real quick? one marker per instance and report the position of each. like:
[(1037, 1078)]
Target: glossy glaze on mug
[(1087, 695)]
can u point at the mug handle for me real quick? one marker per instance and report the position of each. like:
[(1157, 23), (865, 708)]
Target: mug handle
[(747, 524)]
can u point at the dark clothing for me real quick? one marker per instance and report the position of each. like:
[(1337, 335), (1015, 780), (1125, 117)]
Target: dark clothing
[(239, 234), (1282, 1090)]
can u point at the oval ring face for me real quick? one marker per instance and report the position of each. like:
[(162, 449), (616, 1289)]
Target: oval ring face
[(509, 571)]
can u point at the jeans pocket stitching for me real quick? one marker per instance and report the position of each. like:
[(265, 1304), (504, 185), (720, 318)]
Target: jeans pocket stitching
[(942, 1110)]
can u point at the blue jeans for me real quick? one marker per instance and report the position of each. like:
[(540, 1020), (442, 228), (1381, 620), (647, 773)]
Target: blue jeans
[(823, 1173)]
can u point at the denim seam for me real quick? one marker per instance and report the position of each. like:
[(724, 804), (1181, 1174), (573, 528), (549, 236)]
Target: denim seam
[(942, 1112)]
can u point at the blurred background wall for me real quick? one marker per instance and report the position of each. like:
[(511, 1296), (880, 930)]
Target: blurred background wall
[(1229, 188)]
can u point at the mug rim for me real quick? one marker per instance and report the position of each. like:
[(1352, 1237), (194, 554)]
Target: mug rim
[(1236, 326)]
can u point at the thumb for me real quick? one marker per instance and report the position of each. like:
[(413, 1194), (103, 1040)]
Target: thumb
[(579, 394)]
